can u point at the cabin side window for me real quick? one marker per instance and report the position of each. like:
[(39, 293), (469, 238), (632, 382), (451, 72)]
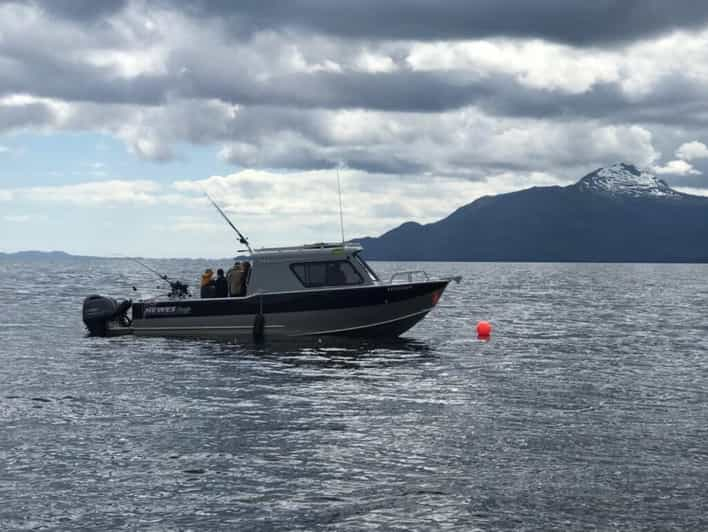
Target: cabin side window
[(330, 273)]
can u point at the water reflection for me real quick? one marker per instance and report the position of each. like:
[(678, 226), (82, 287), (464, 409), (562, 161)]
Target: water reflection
[(597, 422), (323, 352)]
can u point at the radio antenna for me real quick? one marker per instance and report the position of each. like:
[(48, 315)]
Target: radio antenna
[(341, 215), (241, 238)]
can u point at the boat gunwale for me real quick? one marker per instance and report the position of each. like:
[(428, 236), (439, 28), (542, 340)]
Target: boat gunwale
[(379, 284)]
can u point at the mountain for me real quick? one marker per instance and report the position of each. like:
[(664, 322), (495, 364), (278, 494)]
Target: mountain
[(626, 180), (37, 255), (614, 214)]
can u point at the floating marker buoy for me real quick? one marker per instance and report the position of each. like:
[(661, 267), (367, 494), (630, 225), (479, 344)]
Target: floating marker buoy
[(484, 329)]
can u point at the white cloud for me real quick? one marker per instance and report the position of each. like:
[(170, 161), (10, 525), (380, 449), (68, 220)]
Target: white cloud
[(4, 149), (102, 193), (535, 63), (693, 191), (16, 218), (465, 143), (196, 224), (679, 56), (98, 193), (152, 148), (676, 167), (372, 62), (295, 207), (635, 68), (633, 143), (131, 62), (692, 150)]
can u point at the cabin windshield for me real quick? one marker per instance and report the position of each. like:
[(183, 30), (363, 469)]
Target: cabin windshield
[(370, 272), (326, 273)]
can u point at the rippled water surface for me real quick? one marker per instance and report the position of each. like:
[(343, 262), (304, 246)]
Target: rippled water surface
[(586, 410)]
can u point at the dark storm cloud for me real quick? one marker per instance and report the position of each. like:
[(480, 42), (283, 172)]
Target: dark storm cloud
[(94, 86), (309, 156), (34, 72), (380, 163), (672, 101), (259, 123), (20, 116), (194, 72), (79, 10), (53, 74), (387, 92), (394, 91), (275, 83), (578, 22), (284, 151)]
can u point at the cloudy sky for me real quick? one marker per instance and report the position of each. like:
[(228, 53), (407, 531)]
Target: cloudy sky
[(115, 115)]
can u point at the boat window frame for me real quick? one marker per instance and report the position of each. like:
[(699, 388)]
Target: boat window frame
[(304, 282), (369, 270)]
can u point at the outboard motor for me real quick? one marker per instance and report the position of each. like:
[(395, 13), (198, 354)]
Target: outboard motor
[(99, 311)]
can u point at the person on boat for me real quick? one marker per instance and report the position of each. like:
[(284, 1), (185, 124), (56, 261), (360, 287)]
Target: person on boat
[(208, 286), (233, 278), (221, 285), (244, 278)]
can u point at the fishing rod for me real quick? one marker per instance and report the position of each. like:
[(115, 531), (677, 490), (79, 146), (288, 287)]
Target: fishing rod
[(241, 238), (160, 275), (178, 288)]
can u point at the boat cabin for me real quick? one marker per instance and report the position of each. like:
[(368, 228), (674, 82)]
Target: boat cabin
[(309, 267)]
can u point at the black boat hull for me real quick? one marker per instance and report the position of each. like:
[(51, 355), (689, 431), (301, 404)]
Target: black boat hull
[(373, 311)]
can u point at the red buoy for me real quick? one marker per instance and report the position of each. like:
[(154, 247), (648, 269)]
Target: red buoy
[(484, 329)]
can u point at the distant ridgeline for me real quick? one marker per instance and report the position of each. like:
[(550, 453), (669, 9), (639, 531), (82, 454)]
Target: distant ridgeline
[(37, 255), (614, 214)]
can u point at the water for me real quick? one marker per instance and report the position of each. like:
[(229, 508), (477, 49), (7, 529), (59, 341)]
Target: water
[(586, 410)]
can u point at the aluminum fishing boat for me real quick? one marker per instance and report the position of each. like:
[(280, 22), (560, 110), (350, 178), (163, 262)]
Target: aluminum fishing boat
[(312, 290)]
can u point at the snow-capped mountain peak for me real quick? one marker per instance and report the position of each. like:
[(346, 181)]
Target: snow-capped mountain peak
[(626, 180)]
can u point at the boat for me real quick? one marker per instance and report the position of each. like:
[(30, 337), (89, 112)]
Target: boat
[(311, 290)]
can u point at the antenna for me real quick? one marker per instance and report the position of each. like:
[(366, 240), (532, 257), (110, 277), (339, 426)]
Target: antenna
[(241, 238), (341, 215)]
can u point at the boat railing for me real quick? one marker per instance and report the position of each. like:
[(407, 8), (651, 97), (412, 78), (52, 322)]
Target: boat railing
[(409, 276)]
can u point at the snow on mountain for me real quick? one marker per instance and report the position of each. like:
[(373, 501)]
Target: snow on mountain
[(627, 180)]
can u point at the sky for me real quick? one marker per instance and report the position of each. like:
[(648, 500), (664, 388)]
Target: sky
[(116, 115)]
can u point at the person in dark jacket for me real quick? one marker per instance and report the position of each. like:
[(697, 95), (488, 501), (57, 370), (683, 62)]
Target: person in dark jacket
[(222, 286)]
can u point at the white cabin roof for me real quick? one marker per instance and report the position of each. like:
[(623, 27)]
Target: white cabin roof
[(317, 251)]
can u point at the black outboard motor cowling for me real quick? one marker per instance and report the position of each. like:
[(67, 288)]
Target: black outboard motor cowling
[(98, 311)]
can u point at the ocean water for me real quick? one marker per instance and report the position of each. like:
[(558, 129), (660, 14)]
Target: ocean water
[(587, 409)]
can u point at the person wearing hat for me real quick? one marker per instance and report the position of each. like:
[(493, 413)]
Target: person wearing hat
[(233, 277), (208, 286)]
